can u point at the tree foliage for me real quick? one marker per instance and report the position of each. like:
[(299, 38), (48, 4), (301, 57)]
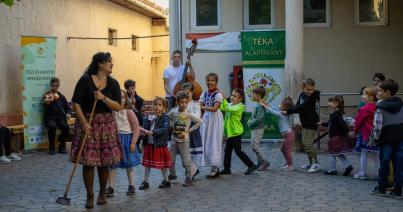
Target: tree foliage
[(7, 2)]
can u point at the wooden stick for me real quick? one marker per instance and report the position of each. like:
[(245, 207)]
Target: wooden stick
[(79, 152)]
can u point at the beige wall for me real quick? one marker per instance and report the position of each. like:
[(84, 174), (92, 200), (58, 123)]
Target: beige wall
[(341, 58), (62, 18), (161, 58)]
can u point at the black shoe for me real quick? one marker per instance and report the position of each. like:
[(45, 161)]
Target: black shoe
[(62, 151), (348, 170), (131, 190), (52, 152), (109, 192), (196, 173), (171, 177), (396, 194), (188, 182), (165, 184), (378, 191), (215, 175), (144, 186), (330, 172), (225, 172), (251, 169)]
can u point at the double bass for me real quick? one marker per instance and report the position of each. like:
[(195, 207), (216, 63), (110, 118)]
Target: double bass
[(187, 77)]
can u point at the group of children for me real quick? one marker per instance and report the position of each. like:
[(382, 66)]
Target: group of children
[(198, 136)]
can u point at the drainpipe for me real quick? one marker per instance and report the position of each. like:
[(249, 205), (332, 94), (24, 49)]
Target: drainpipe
[(173, 32), (180, 43)]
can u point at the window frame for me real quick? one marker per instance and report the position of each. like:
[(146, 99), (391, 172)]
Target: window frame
[(328, 22), (193, 17), (379, 23), (112, 33), (246, 24), (135, 41)]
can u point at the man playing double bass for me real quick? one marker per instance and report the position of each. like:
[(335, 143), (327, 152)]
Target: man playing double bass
[(173, 74)]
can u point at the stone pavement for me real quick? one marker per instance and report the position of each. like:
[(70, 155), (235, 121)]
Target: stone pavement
[(34, 183)]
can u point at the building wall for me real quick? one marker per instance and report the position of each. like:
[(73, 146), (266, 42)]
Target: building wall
[(63, 18), (341, 58), (160, 58)]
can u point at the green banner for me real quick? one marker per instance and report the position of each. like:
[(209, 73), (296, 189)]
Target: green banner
[(38, 67), (263, 54), (271, 130), (263, 48)]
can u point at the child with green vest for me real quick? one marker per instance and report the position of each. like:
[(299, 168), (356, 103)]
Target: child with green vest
[(233, 130)]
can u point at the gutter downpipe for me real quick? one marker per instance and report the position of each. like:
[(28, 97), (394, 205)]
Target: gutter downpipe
[(180, 43)]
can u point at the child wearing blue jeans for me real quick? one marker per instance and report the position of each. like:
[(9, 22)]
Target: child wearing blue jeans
[(388, 135)]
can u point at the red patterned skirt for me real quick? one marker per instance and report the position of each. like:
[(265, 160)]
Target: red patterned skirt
[(102, 146), (157, 157), (341, 144)]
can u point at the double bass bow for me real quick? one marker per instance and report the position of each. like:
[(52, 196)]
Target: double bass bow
[(187, 77)]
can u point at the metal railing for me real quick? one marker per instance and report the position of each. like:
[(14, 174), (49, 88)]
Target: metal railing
[(348, 94)]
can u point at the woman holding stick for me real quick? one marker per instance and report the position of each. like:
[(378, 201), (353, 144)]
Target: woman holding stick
[(101, 148)]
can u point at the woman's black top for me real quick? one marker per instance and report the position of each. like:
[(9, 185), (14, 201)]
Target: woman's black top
[(84, 94)]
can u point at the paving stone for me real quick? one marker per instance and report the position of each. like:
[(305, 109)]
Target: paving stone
[(36, 182)]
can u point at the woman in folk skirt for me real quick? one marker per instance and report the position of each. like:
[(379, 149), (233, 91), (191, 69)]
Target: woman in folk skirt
[(102, 148), (129, 130)]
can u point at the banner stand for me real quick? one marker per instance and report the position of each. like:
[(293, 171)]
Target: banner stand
[(38, 55), (263, 54)]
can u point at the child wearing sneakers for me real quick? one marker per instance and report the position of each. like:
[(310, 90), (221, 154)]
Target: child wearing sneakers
[(306, 108), (195, 141), (180, 121), (6, 142), (129, 130), (388, 135), (156, 154), (285, 129), (233, 130), (340, 142), (256, 124), (364, 122)]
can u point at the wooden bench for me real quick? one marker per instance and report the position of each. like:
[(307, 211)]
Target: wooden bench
[(14, 122), (147, 108)]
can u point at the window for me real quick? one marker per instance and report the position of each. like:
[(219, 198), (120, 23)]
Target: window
[(371, 12), (112, 35), (135, 43), (317, 13), (206, 14), (258, 14)]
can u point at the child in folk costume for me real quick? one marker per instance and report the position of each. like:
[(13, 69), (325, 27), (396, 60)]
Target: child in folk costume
[(129, 130), (156, 154), (233, 130), (213, 128), (340, 141), (180, 121), (285, 129), (195, 142), (364, 122)]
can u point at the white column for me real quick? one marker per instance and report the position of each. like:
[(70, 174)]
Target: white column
[(173, 25), (294, 41)]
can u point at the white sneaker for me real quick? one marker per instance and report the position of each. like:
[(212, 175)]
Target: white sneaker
[(284, 166), (306, 166), (13, 156), (314, 168), (360, 176), (4, 159), (287, 168)]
